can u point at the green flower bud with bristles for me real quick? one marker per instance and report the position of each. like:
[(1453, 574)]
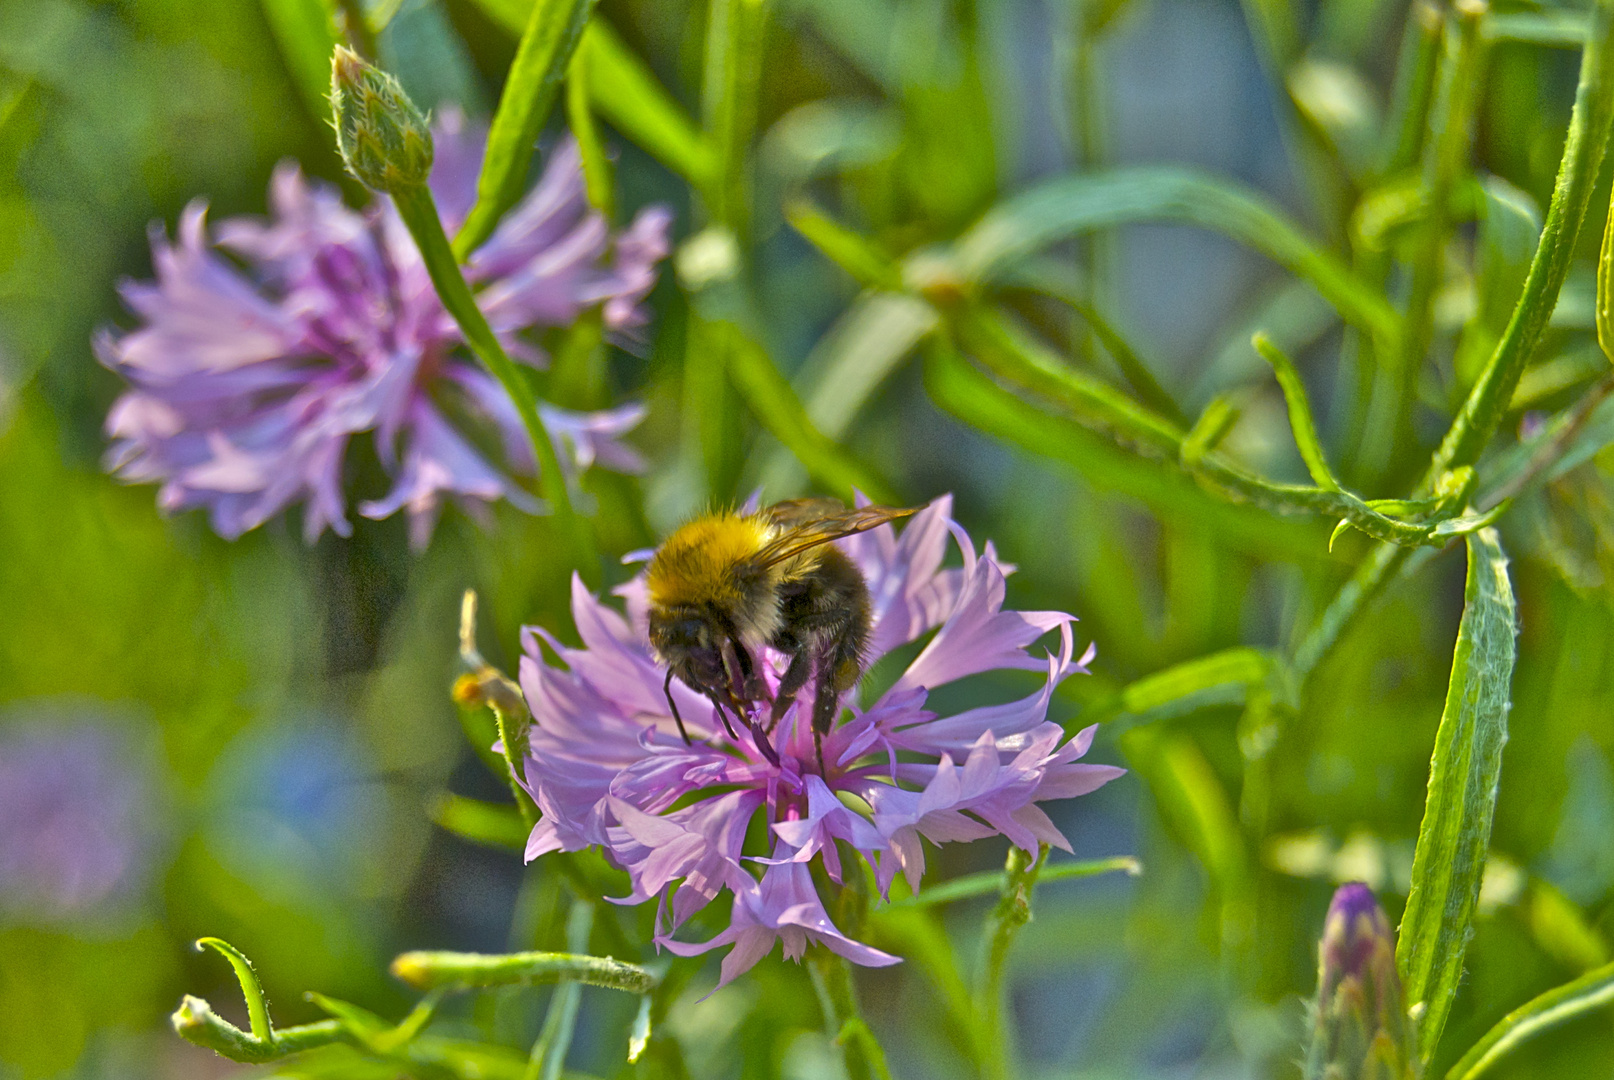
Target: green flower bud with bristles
[(384, 140), (1360, 1028)]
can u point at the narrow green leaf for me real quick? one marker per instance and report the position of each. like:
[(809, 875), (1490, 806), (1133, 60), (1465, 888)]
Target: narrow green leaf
[(1591, 991), (1016, 355), (1056, 278), (729, 85), (1555, 29), (1605, 289), (1463, 774), (627, 94), (1220, 678), (1300, 419), (853, 253), (257, 1006), (580, 117), (1058, 209), (551, 35), (465, 971), (991, 881), (305, 31)]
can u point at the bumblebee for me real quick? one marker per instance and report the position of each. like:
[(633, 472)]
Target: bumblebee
[(727, 584)]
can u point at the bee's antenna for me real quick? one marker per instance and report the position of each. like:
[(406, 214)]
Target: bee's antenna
[(666, 688)]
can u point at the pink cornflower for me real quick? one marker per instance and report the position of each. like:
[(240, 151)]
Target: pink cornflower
[(607, 766), (250, 375)]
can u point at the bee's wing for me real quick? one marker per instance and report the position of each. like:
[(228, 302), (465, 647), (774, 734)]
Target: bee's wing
[(810, 522)]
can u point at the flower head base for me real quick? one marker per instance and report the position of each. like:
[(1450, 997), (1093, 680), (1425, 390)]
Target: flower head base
[(607, 766), (250, 380), (382, 137), (1361, 1029)]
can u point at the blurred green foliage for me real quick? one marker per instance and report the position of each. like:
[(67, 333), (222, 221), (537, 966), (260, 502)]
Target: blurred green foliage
[(906, 265)]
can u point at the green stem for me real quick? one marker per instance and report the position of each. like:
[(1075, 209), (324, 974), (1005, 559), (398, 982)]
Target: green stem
[(466, 971), (197, 1023), (419, 214), (1012, 912), (734, 44), (1414, 86), (837, 994)]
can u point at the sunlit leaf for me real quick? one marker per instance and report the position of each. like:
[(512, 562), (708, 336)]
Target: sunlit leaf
[(1463, 776)]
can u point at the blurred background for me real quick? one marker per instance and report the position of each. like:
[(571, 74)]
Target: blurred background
[(247, 739)]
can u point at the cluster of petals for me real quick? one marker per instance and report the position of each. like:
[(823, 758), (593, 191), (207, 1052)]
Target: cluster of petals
[(607, 766), (265, 346)]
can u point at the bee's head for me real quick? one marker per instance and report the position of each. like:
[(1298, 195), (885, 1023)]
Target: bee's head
[(690, 644)]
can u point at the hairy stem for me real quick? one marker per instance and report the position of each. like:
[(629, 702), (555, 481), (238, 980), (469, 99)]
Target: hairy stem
[(1012, 912)]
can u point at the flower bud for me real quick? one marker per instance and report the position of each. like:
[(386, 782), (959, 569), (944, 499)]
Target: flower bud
[(384, 140), (1360, 1026)]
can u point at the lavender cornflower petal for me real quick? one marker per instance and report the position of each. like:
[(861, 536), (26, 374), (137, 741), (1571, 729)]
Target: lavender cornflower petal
[(581, 439), (201, 315), (548, 213), (608, 768), (457, 148), (633, 274), (979, 635), (782, 907), (909, 592), (439, 461)]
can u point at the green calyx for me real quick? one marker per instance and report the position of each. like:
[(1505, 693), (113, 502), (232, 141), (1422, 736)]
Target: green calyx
[(383, 138)]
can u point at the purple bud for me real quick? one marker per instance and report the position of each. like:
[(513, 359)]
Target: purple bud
[(1361, 1030)]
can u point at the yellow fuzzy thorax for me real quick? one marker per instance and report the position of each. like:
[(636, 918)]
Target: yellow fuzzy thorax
[(695, 565)]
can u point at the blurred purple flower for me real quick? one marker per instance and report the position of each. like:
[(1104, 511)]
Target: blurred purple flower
[(607, 767), (247, 384), (76, 818)]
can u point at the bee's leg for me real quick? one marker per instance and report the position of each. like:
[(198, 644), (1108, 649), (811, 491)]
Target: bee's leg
[(838, 665), (744, 686), (751, 686), (666, 688), (717, 707), (794, 678)]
